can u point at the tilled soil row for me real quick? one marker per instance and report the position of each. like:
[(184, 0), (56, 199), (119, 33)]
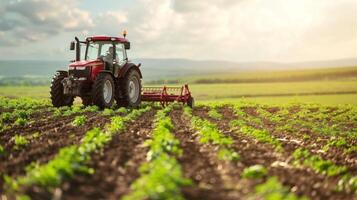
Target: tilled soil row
[(314, 143), (212, 178), (47, 145), (302, 181), (116, 167), (42, 122)]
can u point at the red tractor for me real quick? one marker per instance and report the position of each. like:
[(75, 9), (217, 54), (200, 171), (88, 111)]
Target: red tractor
[(106, 75)]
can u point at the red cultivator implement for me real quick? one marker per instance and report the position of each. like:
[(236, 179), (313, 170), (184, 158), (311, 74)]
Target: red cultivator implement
[(165, 95)]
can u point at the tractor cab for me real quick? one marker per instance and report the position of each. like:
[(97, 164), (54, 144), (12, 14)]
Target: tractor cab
[(103, 52)]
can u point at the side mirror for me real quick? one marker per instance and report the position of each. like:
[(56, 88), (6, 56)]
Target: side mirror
[(127, 45), (72, 46)]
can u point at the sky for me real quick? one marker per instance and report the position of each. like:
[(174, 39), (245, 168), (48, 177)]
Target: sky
[(233, 30)]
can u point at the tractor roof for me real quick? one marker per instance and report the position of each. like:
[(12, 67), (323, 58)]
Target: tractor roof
[(107, 38)]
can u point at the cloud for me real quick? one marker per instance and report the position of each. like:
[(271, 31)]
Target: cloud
[(239, 30), (34, 20)]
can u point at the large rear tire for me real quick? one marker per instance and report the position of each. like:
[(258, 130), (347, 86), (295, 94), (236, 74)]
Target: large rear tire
[(103, 91), (130, 89), (58, 98)]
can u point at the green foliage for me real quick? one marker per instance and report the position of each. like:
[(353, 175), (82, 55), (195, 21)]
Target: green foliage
[(347, 183), (75, 109), (209, 133), (2, 150), (122, 110), (213, 113), (108, 112), (91, 108), (254, 172), (79, 120), (228, 155), (21, 122), (19, 141), (161, 177), (272, 189), (35, 135), (317, 163), (69, 161)]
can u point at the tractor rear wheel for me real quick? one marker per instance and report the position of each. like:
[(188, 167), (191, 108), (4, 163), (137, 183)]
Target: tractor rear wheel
[(58, 98), (130, 89), (103, 91)]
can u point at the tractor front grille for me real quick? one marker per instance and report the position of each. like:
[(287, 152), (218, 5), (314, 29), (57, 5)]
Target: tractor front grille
[(80, 73)]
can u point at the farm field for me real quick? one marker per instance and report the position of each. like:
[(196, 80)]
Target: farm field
[(240, 150), (325, 92)]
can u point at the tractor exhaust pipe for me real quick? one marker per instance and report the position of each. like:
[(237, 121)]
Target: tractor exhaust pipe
[(78, 49)]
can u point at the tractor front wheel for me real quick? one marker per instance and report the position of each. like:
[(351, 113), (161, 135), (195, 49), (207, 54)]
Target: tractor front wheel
[(58, 98), (103, 91), (131, 90)]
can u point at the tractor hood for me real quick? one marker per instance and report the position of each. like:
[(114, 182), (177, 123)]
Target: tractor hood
[(85, 63)]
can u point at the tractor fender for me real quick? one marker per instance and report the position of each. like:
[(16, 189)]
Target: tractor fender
[(107, 72), (127, 67)]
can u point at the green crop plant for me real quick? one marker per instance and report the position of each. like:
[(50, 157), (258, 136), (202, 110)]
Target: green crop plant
[(209, 133), (318, 164), (79, 120), (108, 112), (272, 189), (228, 155), (2, 150), (254, 172), (19, 141), (122, 110), (67, 162), (161, 177), (213, 113), (347, 183)]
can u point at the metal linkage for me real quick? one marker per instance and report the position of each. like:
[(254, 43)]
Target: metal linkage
[(165, 95)]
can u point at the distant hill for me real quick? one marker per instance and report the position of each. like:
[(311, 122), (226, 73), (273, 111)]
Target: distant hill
[(157, 69)]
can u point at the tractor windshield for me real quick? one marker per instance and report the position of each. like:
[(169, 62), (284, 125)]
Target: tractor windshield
[(98, 49)]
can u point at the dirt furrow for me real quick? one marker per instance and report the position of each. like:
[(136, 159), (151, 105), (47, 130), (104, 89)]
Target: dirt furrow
[(314, 142), (116, 167), (41, 123), (200, 163), (302, 181), (47, 145)]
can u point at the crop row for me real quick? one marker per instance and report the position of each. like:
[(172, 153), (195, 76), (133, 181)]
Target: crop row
[(209, 133), (69, 160), (302, 157), (161, 176), (271, 188)]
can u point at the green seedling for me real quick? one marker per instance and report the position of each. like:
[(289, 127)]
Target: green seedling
[(19, 141), (272, 189), (228, 155), (79, 120), (254, 172)]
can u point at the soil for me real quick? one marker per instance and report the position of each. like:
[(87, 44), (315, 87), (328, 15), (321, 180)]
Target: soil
[(46, 146), (116, 167)]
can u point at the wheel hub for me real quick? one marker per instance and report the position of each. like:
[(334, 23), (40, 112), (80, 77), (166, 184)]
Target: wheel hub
[(134, 89), (107, 91)]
